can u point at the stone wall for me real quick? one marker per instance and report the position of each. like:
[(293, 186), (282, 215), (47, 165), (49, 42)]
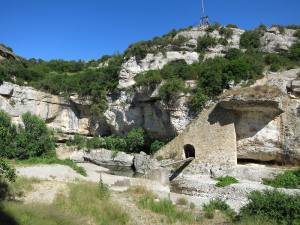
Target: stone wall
[(212, 135)]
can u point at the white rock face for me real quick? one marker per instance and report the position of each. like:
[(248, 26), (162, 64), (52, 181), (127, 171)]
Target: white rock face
[(273, 41), (152, 62), (57, 112)]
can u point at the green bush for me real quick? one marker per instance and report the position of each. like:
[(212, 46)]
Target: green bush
[(32, 140), (288, 179), (250, 39), (232, 26), (213, 27), (205, 42), (226, 32), (171, 89), (218, 204), (6, 171), (152, 77), (226, 181), (234, 53), (294, 51), (297, 34), (77, 140), (273, 205), (135, 139), (115, 143), (96, 142), (155, 146)]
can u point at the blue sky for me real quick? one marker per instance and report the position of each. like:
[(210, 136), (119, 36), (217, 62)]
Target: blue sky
[(88, 29)]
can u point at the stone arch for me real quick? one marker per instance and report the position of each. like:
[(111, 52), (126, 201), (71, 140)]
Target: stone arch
[(189, 151)]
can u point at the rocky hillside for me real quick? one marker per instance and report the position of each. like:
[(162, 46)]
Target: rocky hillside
[(158, 85)]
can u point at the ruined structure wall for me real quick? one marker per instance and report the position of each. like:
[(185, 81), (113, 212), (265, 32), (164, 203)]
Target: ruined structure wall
[(212, 135)]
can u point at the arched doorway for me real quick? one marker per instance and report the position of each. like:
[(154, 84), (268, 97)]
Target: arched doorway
[(189, 151)]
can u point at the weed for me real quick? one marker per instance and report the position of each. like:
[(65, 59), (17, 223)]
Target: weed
[(226, 181)]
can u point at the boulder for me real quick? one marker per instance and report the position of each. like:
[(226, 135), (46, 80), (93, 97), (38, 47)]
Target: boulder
[(143, 163), (78, 156), (106, 157)]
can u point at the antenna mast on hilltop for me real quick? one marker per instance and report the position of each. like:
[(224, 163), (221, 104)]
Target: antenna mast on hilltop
[(204, 17)]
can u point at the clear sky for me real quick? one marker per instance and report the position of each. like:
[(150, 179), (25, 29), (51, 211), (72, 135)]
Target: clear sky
[(88, 29)]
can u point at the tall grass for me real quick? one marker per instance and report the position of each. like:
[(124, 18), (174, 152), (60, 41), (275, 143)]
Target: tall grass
[(166, 208), (92, 201), (85, 204)]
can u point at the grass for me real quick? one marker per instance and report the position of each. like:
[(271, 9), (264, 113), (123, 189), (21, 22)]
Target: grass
[(36, 214), (86, 203), (92, 201), (226, 181), (218, 204), (166, 208), (288, 179), (66, 162), (23, 185)]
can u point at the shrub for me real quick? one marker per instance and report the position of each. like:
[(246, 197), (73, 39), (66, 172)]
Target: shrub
[(115, 143), (152, 77), (226, 32), (198, 100), (155, 146), (32, 140), (297, 33), (171, 89), (231, 26), (226, 181), (218, 204), (281, 28), (205, 42), (95, 142), (135, 139), (213, 27), (6, 171), (288, 179), (273, 205), (233, 53), (250, 39), (77, 140), (294, 51)]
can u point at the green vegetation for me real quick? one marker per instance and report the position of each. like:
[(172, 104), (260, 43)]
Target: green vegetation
[(232, 26), (157, 44), (132, 142), (155, 146), (213, 27), (297, 34), (273, 206), (218, 204), (226, 181), (250, 39), (203, 43), (166, 208), (86, 203), (226, 32), (6, 171), (212, 75), (288, 179), (32, 140)]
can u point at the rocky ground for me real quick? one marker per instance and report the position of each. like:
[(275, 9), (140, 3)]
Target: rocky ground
[(198, 189)]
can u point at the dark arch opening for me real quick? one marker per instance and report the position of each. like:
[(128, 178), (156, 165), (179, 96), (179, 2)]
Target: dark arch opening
[(189, 151)]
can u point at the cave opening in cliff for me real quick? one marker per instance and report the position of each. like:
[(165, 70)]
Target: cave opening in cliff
[(189, 151)]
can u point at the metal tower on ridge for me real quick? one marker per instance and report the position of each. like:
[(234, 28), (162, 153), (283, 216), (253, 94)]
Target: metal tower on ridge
[(204, 17)]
